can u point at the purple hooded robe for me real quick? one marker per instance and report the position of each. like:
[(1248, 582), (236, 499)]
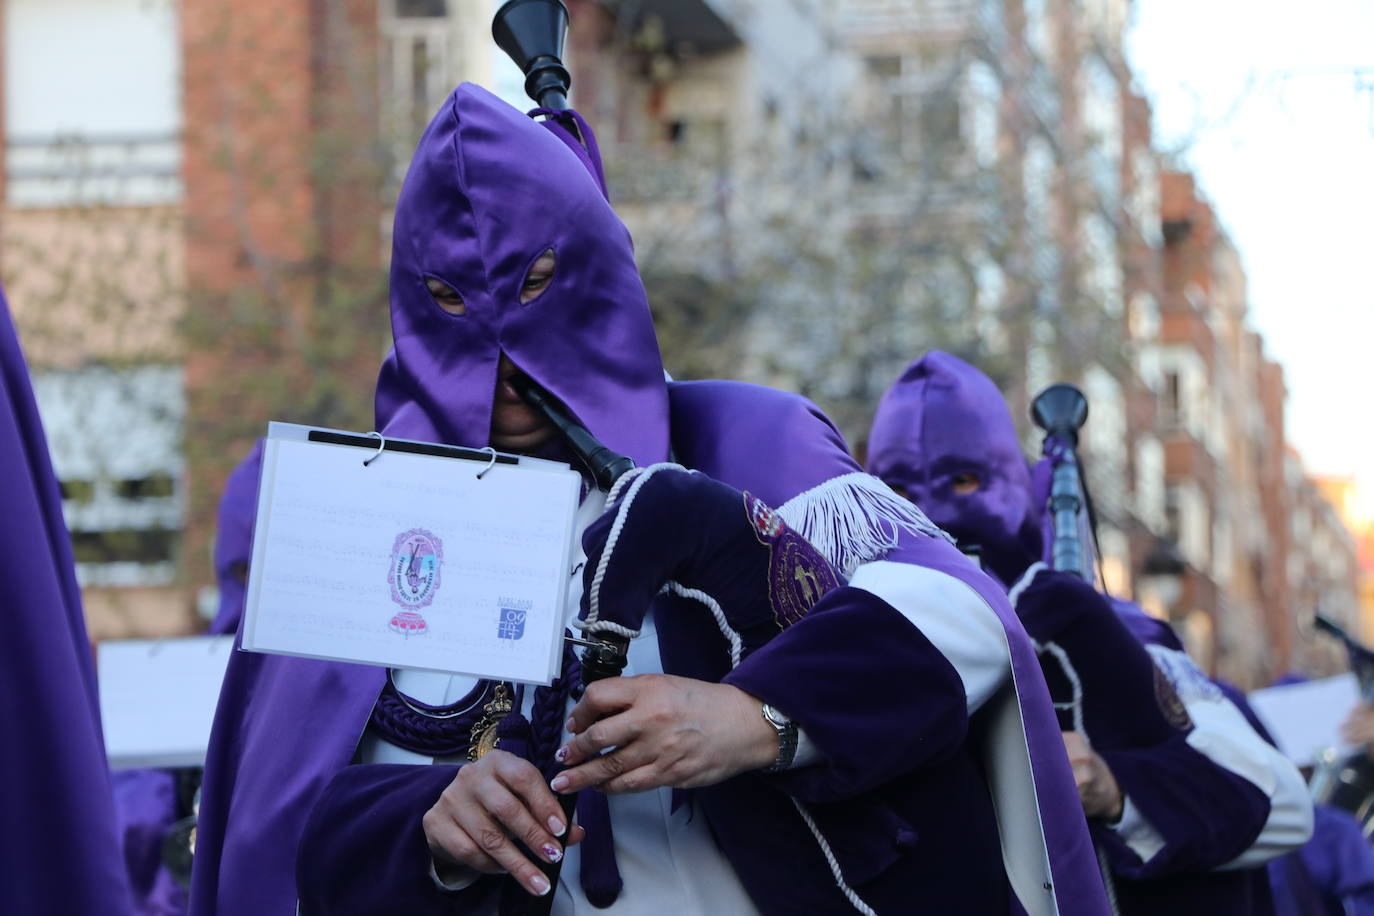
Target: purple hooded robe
[(284, 813), (238, 507), (943, 419), (1333, 873), (59, 852), (146, 800)]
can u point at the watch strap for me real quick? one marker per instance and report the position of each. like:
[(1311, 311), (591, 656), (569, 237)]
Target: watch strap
[(787, 738)]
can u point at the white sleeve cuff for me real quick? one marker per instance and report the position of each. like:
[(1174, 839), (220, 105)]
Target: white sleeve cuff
[(1138, 833), (454, 878), (1221, 733), (807, 752)]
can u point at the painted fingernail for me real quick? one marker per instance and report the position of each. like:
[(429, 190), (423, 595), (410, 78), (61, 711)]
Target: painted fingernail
[(559, 783), (561, 754), (556, 827), (552, 852), (540, 885)]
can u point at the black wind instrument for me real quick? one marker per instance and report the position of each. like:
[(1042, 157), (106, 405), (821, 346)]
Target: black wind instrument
[(531, 32), (1061, 410)]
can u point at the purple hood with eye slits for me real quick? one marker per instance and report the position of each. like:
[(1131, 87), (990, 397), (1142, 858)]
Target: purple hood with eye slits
[(942, 419), (488, 191)]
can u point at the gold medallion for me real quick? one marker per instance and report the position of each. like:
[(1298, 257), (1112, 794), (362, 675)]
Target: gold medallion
[(484, 732)]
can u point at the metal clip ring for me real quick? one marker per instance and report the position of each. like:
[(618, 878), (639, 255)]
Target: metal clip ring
[(490, 464), (381, 444)]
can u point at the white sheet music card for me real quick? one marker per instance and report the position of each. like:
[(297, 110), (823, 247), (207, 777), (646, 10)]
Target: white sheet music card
[(158, 697), (1305, 719), (411, 561)]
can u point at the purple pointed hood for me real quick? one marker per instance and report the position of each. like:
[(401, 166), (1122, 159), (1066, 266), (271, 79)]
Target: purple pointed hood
[(943, 419), (238, 508), (490, 190)]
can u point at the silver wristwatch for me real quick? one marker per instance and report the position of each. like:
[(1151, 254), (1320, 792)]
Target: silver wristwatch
[(787, 738)]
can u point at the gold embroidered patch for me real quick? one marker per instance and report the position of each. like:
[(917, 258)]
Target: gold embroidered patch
[(1175, 713)]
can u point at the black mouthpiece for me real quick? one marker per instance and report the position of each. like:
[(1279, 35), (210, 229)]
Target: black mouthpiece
[(1060, 410), (604, 465), (531, 32)]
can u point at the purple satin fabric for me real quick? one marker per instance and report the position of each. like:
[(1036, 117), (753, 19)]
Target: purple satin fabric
[(145, 800), (943, 418), (146, 809), (59, 851), (238, 508), (489, 190)]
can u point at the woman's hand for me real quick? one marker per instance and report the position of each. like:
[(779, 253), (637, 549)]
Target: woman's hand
[(491, 800), (665, 731)]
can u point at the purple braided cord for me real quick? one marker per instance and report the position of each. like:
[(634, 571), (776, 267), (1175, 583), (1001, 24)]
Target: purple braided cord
[(549, 711), (398, 724)]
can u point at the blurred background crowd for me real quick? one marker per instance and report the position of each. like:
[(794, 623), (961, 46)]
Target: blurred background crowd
[(196, 202)]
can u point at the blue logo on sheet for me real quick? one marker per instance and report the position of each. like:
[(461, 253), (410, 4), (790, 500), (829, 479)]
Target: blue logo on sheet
[(511, 622)]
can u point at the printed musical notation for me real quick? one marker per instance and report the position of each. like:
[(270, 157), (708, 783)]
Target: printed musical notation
[(411, 561)]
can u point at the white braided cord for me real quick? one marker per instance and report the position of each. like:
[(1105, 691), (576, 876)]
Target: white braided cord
[(593, 623), (1076, 705), (834, 864), (712, 605)]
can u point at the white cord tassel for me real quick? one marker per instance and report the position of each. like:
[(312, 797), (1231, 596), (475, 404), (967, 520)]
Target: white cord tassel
[(855, 518)]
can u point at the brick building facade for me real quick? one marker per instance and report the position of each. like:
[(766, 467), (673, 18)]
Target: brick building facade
[(819, 192)]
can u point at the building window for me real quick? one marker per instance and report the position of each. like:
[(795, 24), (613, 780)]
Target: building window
[(417, 69), (115, 436), (87, 125), (1173, 399), (421, 9), (886, 66)]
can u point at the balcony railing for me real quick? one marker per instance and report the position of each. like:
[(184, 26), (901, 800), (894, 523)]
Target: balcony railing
[(81, 169)]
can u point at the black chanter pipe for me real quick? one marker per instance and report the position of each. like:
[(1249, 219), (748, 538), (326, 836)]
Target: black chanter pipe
[(531, 32), (1061, 410)]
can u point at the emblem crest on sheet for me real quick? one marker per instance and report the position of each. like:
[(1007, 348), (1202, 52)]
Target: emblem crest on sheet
[(414, 576)]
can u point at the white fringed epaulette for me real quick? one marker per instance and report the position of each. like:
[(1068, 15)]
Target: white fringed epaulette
[(854, 519)]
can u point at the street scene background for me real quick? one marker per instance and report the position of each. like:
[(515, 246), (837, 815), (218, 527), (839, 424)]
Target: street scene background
[(1161, 202)]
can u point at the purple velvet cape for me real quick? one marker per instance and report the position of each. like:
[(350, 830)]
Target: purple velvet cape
[(59, 852), (487, 192), (942, 418)]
